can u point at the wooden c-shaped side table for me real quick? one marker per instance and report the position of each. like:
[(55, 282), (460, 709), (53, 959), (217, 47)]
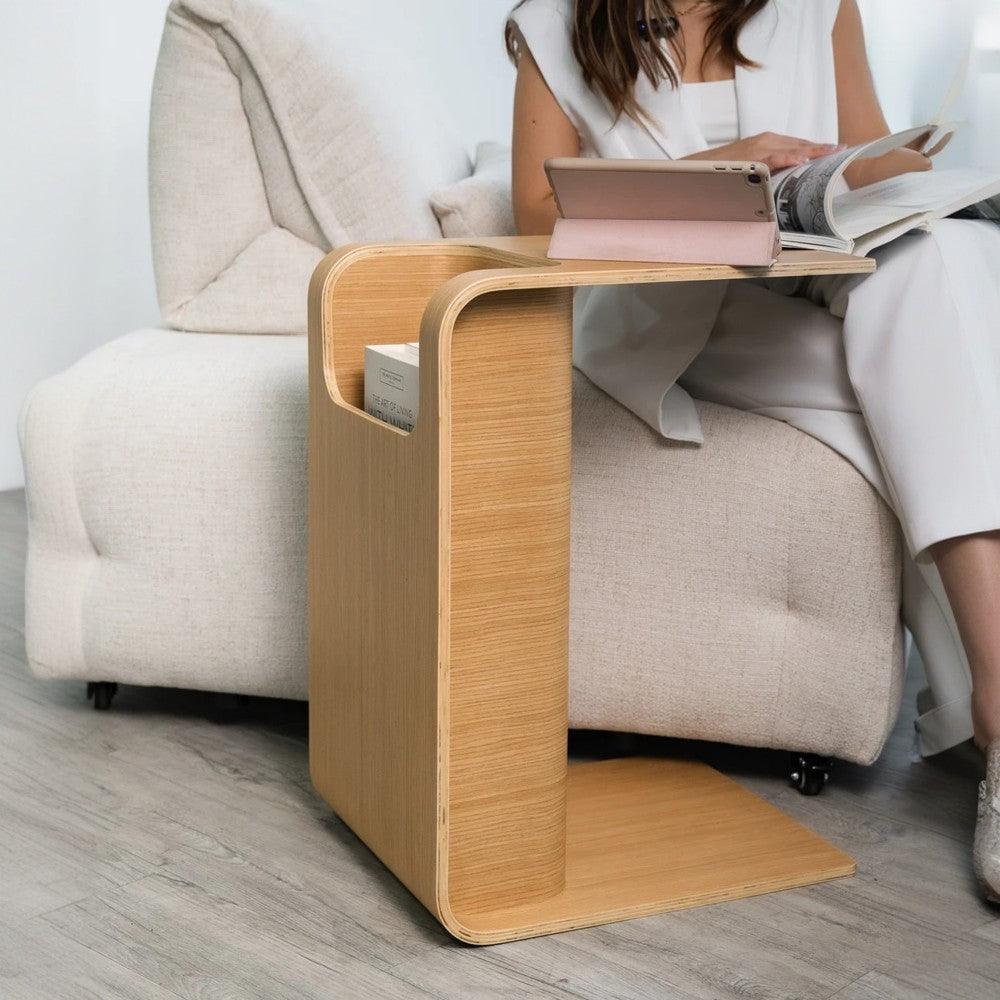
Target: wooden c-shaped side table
[(439, 606)]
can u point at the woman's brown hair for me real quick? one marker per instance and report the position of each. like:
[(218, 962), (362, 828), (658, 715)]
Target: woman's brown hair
[(614, 41)]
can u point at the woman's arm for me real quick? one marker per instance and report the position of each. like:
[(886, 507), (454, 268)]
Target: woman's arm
[(860, 114), (541, 131)]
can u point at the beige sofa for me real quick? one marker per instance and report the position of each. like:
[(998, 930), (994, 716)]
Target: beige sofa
[(746, 591)]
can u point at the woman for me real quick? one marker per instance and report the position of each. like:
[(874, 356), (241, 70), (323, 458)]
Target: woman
[(907, 386)]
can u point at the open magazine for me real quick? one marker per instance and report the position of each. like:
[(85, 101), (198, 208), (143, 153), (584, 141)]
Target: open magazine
[(817, 211)]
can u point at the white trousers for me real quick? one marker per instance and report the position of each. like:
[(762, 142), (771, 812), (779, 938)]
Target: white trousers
[(912, 353)]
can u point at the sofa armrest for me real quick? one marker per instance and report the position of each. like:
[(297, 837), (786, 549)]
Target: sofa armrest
[(166, 509)]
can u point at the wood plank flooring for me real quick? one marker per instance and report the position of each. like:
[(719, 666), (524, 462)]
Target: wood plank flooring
[(174, 848)]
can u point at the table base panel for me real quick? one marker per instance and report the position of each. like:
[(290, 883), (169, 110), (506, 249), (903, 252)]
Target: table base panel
[(646, 836)]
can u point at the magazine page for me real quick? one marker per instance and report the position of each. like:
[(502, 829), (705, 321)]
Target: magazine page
[(804, 196), (937, 191)]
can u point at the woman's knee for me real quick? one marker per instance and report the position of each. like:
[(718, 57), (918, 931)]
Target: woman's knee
[(946, 242)]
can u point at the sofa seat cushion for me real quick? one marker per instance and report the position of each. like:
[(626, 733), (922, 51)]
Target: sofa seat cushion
[(744, 591), (717, 592)]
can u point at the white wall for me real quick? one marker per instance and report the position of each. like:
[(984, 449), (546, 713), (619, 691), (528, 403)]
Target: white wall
[(916, 50), (986, 136), (75, 267), (473, 26)]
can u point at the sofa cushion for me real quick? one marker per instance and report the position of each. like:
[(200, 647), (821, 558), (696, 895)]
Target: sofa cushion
[(479, 205), (166, 476), (718, 593), (216, 246), (364, 135), (290, 127)]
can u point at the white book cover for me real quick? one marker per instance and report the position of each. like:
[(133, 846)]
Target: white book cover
[(392, 383)]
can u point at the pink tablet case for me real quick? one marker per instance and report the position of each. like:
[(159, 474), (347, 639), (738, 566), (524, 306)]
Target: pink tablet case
[(740, 244), (695, 212)]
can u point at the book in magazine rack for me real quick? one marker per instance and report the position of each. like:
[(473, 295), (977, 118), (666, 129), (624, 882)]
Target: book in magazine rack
[(439, 575)]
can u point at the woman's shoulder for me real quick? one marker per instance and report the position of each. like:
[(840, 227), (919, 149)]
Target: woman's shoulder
[(815, 13), (533, 11), (545, 27)]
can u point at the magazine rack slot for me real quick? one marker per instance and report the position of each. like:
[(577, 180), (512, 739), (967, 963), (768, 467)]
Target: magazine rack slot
[(381, 298)]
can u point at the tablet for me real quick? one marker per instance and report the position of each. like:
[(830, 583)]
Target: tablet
[(662, 190), (669, 211)]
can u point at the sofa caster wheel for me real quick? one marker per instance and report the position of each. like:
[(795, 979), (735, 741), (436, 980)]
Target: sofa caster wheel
[(809, 773), (102, 693)]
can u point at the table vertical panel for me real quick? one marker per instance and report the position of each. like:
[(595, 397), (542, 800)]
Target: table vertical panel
[(510, 425)]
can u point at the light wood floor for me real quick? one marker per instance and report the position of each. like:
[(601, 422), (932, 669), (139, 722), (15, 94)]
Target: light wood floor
[(174, 848)]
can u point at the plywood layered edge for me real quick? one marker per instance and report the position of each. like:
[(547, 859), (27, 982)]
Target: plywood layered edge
[(438, 675)]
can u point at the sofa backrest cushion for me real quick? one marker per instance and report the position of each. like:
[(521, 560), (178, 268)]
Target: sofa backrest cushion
[(481, 204), (282, 128)]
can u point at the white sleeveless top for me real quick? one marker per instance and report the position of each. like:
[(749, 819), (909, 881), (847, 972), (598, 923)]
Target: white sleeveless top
[(715, 111), (634, 342)]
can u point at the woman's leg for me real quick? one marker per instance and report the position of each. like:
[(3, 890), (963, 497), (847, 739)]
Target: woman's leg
[(920, 347), (970, 571), (922, 341), (923, 349)]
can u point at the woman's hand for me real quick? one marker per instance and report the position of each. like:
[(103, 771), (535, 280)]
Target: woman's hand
[(779, 152)]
